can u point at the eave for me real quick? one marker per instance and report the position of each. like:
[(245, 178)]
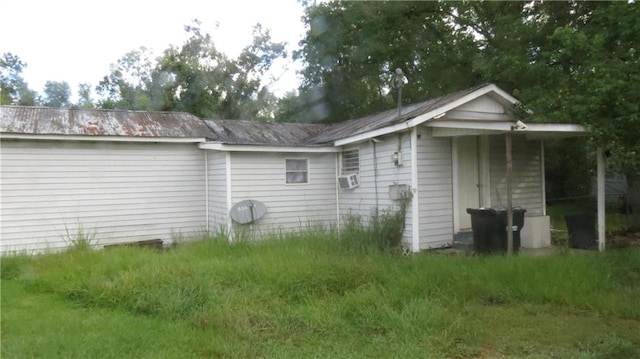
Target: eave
[(217, 146), (138, 139)]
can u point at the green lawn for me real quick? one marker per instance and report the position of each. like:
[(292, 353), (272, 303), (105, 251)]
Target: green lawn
[(316, 297)]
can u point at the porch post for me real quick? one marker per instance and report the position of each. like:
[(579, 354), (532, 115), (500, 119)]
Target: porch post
[(601, 198)]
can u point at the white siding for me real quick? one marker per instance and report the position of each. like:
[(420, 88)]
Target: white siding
[(435, 190), (361, 201), (218, 208), (526, 174), (484, 104), (120, 191), (261, 176)]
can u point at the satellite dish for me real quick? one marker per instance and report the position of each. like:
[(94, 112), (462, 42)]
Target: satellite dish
[(247, 211)]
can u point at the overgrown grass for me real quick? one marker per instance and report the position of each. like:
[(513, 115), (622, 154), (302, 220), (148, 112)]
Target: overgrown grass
[(315, 296)]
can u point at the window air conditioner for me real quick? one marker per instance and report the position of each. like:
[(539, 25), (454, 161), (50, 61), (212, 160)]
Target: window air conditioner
[(349, 181)]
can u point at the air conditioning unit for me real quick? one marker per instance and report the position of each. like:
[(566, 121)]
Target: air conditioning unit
[(349, 181)]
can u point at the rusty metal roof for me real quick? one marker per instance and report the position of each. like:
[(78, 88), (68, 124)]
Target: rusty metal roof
[(241, 132), (387, 118), (98, 122)]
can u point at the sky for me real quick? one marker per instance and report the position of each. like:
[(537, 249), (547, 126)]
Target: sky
[(76, 41)]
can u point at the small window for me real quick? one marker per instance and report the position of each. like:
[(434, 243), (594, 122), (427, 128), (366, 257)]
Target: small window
[(350, 161), (297, 170)]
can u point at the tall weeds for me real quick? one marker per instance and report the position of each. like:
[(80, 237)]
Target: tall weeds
[(383, 231), (317, 295)]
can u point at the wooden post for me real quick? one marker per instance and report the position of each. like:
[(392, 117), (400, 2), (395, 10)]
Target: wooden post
[(601, 198), (509, 196)]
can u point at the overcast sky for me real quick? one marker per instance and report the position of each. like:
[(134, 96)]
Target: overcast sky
[(76, 41)]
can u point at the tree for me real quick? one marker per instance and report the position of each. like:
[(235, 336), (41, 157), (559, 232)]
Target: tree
[(128, 86), (57, 94), (196, 78), (352, 49), (203, 81), (84, 96), (13, 89), (597, 82)]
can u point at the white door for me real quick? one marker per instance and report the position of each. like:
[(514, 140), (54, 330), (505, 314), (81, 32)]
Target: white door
[(468, 178)]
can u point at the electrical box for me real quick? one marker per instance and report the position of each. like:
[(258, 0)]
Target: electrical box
[(396, 157), (399, 191)]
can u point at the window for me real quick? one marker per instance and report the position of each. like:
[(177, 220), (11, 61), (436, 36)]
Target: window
[(297, 170), (350, 161)]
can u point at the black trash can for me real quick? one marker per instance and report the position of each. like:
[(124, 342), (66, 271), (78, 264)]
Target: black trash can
[(489, 226), (582, 230)]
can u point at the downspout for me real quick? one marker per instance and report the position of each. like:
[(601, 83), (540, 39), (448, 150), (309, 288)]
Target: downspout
[(544, 182), (228, 180), (206, 188), (601, 198), (337, 185), (375, 173), (415, 204)]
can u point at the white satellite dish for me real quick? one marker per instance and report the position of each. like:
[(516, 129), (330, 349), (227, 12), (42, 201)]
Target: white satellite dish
[(247, 211)]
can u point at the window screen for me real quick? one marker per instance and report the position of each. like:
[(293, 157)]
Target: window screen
[(297, 170), (350, 161)]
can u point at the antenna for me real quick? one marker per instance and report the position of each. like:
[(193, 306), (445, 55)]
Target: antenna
[(399, 81)]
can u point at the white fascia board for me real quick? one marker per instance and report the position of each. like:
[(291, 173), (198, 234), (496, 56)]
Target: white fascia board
[(506, 96), (456, 132), (472, 125), (217, 146), (554, 127), (561, 128), (100, 138)]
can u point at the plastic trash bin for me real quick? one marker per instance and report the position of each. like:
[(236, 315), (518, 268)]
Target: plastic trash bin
[(582, 230), (489, 226)]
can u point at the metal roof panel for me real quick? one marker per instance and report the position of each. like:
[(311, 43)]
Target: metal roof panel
[(99, 122)]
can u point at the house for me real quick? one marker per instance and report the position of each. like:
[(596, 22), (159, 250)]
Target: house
[(129, 176)]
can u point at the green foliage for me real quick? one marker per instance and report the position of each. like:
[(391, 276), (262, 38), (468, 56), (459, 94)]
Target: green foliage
[(569, 168), (308, 297), (388, 227), (305, 296), (593, 78), (383, 232), (11, 266), (57, 94), (128, 86), (196, 78), (351, 50), (79, 239), (84, 96), (13, 89)]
